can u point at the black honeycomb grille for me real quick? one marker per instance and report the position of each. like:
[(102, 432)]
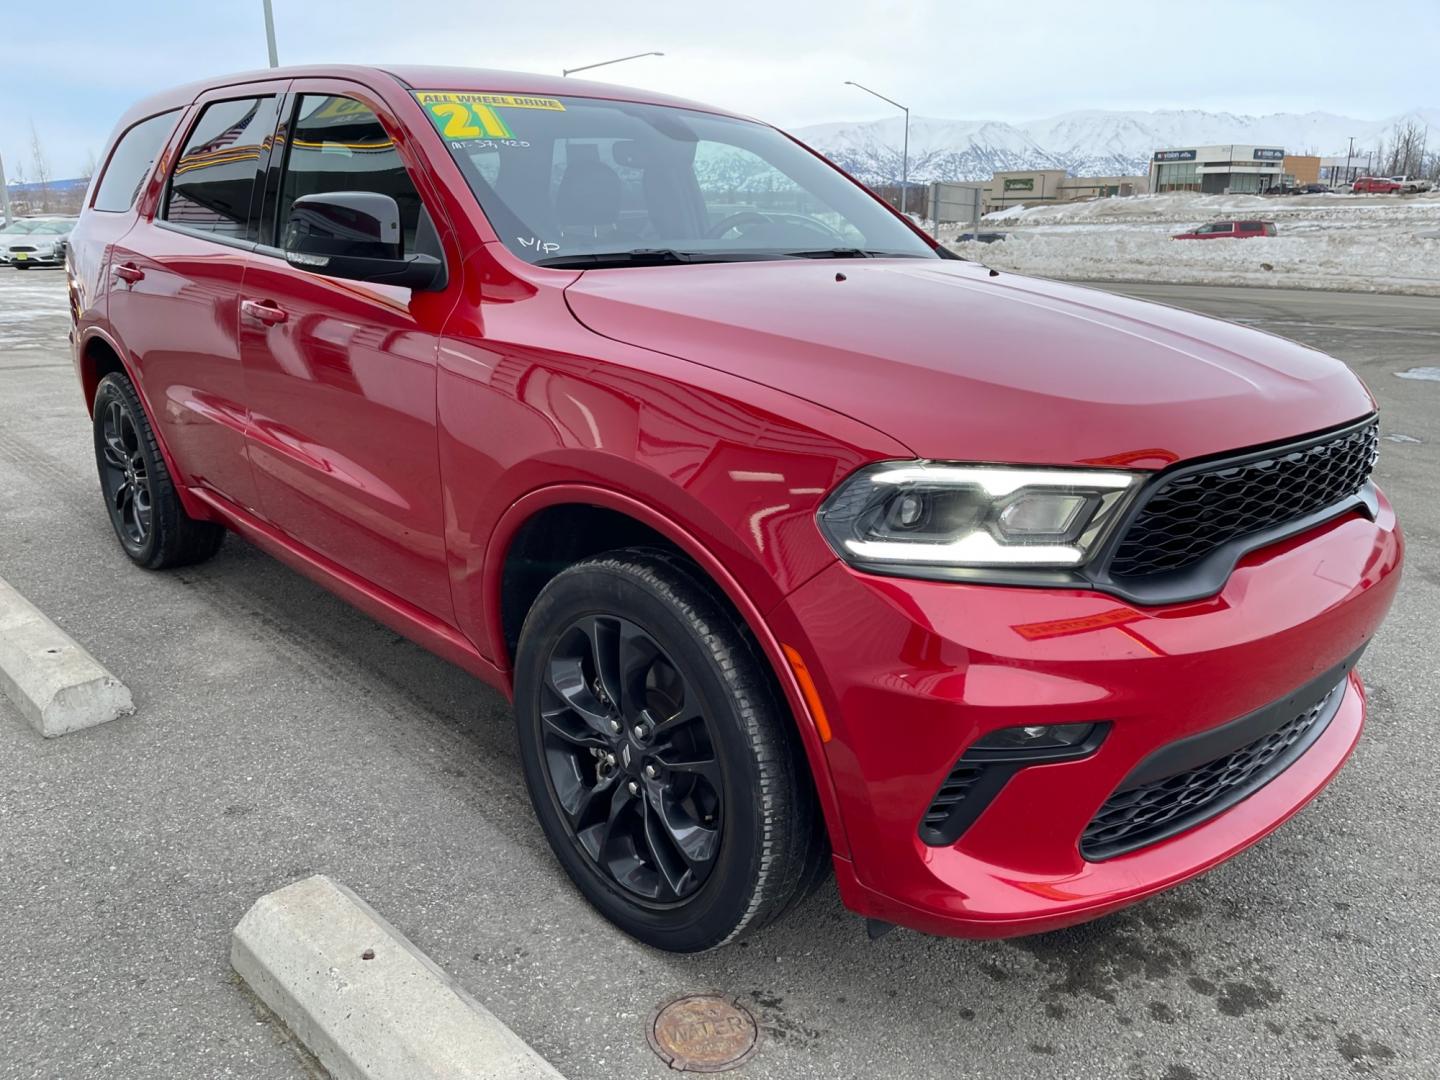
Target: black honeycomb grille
[(1131, 819), (1193, 513)]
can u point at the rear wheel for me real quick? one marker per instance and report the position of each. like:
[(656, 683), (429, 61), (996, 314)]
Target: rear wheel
[(660, 764), (140, 496)]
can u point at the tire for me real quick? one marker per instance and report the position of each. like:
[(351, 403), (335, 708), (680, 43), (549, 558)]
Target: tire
[(731, 780), (145, 510)]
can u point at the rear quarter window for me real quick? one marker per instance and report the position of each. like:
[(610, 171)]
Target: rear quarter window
[(131, 161)]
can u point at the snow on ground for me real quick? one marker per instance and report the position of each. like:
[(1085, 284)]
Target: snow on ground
[(1382, 243), (1188, 206)]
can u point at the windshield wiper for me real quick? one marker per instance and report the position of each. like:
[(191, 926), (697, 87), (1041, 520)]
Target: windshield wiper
[(638, 257), (831, 253), (850, 253)]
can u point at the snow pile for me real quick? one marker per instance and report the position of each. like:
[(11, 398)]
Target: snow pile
[(1184, 207), (1010, 213), (1378, 243), (1343, 260)]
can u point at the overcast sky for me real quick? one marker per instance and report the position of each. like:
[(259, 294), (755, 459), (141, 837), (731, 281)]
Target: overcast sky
[(72, 66)]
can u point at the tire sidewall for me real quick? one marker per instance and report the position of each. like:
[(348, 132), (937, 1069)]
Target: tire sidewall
[(721, 906)]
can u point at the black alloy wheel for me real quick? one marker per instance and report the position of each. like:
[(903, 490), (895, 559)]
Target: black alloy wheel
[(149, 519), (124, 473), (659, 756), (631, 759)]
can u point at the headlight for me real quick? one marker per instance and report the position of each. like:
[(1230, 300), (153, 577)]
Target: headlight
[(930, 518)]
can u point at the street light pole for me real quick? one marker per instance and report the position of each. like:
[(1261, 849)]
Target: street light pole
[(270, 34), (1349, 160), (904, 153), (4, 193), (605, 63)]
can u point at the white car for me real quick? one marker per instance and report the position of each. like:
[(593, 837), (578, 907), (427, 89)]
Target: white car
[(1410, 185), (28, 242)]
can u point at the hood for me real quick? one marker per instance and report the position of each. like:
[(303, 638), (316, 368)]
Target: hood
[(956, 363)]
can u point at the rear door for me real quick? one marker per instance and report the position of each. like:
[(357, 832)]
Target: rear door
[(342, 374), (175, 288)]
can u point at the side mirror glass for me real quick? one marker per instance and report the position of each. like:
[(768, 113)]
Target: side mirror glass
[(356, 235)]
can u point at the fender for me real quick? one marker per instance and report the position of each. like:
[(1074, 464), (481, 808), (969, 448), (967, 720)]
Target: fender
[(195, 507), (528, 505)]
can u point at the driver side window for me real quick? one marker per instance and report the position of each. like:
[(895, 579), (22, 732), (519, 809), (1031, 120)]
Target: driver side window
[(338, 144), (736, 183)]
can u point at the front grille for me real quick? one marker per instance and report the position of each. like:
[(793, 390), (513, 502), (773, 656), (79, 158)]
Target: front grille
[(21, 247), (1194, 512), (1142, 815)]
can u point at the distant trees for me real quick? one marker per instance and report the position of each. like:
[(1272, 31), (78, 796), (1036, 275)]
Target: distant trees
[(1407, 152), (40, 167), (39, 190)]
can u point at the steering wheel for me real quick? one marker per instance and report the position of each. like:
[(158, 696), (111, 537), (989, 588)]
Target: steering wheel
[(734, 221)]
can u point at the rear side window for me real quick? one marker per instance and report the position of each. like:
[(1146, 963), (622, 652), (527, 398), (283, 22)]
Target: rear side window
[(215, 177), (131, 161), (338, 144)]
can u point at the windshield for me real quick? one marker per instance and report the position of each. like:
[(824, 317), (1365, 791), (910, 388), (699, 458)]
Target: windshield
[(591, 182)]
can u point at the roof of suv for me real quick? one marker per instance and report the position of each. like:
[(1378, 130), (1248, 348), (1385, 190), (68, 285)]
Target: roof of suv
[(418, 77)]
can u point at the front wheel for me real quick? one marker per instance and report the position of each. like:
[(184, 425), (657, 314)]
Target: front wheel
[(663, 770)]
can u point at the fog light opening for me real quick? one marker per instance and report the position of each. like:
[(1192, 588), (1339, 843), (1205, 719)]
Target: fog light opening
[(1035, 737)]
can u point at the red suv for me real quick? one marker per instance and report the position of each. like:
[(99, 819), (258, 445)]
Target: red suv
[(1376, 185), (1228, 230), (799, 543)]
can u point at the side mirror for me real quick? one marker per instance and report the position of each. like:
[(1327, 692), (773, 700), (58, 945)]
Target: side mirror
[(356, 235)]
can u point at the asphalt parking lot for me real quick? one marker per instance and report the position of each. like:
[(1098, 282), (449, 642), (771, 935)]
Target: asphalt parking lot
[(280, 733)]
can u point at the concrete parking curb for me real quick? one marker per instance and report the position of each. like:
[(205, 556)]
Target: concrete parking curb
[(56, 684), (363, 999)]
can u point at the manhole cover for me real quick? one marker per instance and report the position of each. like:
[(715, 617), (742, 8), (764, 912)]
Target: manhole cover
[(703, 1033)]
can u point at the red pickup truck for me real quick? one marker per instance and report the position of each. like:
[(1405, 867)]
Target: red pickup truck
[(1220, 229)]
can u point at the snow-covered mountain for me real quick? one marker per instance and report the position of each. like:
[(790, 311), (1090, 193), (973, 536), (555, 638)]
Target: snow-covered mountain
[(1091, 142)]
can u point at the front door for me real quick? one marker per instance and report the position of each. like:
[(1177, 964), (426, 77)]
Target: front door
[(341, 374)]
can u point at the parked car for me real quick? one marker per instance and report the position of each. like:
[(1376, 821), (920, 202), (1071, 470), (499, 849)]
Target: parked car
[(1375, 185), (31, 242), (1221, 230), (800, 545), (981, 237), (1313, 189), (1411, 185)]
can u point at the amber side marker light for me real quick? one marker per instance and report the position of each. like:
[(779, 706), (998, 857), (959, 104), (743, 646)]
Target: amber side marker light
[(808, 691)]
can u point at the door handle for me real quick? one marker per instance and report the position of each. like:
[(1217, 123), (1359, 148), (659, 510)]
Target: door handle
[(129, 273), (264, 311)]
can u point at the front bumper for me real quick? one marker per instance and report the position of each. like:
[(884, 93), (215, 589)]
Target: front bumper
[(912, 672), (33, 258)]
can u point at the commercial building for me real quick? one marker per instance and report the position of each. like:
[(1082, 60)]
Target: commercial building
[(1343, 170), (1217, 170), (1031, 186), (1302, 169)]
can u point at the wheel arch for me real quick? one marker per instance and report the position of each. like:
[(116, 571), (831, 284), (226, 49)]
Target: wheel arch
[(529, 513), (98, 354)]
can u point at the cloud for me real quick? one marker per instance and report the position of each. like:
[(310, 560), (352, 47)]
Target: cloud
[(782, 60)]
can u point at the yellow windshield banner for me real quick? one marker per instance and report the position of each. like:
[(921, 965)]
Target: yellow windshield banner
[(458, 115)]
